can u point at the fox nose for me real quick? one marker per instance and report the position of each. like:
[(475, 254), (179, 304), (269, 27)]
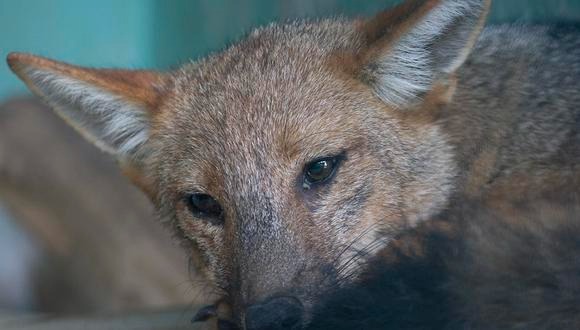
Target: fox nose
[(281, 313)]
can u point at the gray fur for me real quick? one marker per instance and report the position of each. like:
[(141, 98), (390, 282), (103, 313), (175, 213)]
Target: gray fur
[(519, 99)]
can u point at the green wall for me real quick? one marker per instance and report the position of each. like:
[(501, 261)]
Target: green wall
[(164, 33)]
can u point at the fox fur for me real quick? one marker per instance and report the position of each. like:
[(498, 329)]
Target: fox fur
[(432, 121), (510, 265)]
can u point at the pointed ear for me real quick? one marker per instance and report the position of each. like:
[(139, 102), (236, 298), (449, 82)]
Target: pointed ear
[(417, 44), (111, 108)]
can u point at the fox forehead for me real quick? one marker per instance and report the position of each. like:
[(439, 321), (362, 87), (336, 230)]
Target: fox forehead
[(270, 66)]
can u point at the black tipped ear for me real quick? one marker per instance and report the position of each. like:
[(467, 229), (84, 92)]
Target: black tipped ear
[(111, 108), (414, 45)]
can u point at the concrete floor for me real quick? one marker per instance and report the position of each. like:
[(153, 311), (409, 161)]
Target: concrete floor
[(176, 319)]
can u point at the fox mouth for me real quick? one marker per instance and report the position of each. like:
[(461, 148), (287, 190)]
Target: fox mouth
[(209, 312), (283, 313)]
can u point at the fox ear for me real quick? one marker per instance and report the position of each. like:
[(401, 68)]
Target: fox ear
[(111, 108), (414, 45)]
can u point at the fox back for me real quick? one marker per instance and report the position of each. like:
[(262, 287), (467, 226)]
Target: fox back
[(289, 160)]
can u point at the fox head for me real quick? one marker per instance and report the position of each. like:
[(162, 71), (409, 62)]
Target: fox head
[(291, 158)]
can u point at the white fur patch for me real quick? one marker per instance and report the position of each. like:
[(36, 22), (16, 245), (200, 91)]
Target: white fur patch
[(407, 71), (112, 123)]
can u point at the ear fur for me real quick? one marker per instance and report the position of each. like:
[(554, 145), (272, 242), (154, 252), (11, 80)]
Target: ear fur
[(418, 44), (111, 108)]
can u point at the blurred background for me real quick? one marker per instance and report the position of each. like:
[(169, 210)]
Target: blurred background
[(75, 237)]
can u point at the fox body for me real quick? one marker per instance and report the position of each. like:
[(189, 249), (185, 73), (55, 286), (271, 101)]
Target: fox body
[(501, 264), (292, 159)]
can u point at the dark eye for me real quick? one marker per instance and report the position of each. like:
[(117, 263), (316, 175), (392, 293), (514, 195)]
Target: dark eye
[(204, 206), (319, 171)]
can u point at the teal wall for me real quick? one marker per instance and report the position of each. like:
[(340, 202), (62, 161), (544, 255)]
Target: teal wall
[(164, 33), (100, 33)]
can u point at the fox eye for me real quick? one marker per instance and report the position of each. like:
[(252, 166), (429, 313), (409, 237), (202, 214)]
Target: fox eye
[(204, 206), (319, 171)]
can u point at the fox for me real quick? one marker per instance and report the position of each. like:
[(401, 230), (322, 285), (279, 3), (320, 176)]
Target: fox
[(357, 172)]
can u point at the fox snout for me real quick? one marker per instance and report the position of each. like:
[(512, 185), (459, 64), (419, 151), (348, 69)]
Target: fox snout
[(278, 313), (290, 308), (272, 283)]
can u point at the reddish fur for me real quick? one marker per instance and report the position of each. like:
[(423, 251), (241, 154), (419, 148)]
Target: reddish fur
[(141, 87)]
